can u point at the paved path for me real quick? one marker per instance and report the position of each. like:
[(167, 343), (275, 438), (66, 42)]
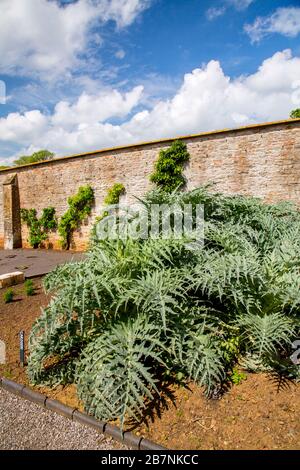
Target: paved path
[(26, 426), (34, 262)]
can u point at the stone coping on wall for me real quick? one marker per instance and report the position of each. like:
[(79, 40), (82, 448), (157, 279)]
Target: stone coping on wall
[(137, 145)]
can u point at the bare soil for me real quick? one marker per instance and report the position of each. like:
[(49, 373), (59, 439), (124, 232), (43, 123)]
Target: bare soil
[(256, 414)]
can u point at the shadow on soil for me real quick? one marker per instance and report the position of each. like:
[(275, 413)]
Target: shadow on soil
[(154, 408)]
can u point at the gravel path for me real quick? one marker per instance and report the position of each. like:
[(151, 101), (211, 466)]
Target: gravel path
[(24, 425)]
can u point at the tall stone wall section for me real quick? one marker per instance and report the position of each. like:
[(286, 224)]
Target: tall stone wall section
[(261, 161)]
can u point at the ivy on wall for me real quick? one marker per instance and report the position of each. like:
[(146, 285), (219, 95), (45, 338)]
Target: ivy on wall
[(39, 228), (80, 207), (169, 166)]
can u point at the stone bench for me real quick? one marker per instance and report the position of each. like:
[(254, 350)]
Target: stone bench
[(11, 279)]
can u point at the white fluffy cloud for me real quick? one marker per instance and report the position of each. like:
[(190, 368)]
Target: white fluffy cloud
[(123, 12), (42, 36), (120, 54), (214, 12), (240, 4), (25, 127), (285, 21), (89, 109), (207, 99)]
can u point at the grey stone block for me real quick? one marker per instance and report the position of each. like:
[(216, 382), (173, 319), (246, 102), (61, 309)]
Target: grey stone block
[(12, 386), (145, 444), (131, 440), (89, 421), (31, 395), (60, 408), (114, 432)]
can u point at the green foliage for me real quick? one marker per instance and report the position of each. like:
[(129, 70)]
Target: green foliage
[(29, 287), (8, 296), (138, 310), (122, 361), (295, 114), (112, 198), (114, 193), (39, 228), (201, 357), (48, 220), (36, 234), (231, 343), (80, 207), (168, 168), (237, 377), (265, 334), (40, 156)]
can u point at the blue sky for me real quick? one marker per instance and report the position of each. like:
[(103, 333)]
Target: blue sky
[(88, 74)]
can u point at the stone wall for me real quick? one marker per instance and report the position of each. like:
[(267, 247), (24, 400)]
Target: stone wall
[(261, 160)]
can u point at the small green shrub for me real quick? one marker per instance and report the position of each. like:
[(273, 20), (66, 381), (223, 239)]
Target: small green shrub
[(237, 377), (231, 343), (168, 168), (29, 287), (80, 206), (39, 228), (8, 296)]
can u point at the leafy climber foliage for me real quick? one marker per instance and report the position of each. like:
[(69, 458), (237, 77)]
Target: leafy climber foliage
[(80, 206), (112, 198), (168, 168), (39, 228), (136, 310), (114, 193)]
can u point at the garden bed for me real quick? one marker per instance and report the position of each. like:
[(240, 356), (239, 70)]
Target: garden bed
[(251, 415), (20, 315)]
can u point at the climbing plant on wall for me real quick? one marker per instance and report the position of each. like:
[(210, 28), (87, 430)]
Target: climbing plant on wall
[(168, 168), (39, 228), (112, 198), (80, 207)]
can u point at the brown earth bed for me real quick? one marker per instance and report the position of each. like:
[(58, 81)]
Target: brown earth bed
[(252, 415)]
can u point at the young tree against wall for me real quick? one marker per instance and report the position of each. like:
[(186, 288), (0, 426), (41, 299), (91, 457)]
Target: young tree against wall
[(169, 166)]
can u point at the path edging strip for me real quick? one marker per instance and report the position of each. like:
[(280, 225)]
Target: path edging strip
[(127, 437)]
